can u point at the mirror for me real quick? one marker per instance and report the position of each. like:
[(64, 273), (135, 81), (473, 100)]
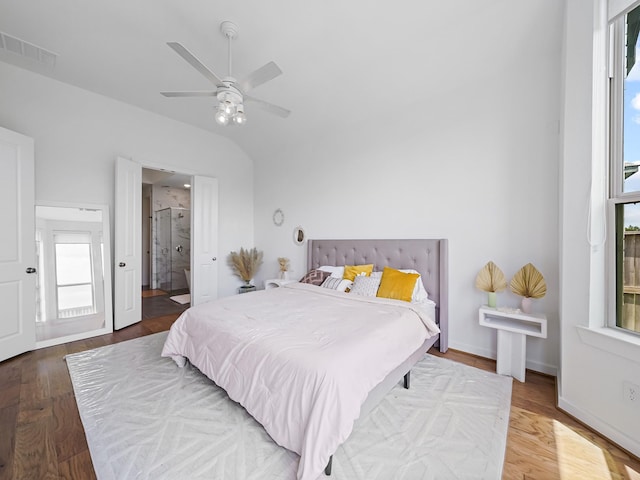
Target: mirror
[(298, 235), (73, 286)]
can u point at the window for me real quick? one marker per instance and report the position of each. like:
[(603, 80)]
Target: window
[(74, 277), (625, 165)]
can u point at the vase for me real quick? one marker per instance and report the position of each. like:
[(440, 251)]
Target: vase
[(284, 275), (491, 299), (525, 304), (247, 287)]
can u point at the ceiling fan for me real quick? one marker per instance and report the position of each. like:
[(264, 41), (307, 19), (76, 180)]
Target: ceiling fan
[(231, 93)]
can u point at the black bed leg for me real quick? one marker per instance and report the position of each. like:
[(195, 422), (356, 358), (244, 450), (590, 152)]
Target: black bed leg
[(327, 469), (407, 380)]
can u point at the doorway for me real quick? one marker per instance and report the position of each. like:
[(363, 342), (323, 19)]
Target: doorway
[(166, 242), (128, 245)]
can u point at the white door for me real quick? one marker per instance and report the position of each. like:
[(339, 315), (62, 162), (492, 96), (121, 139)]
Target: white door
[(127, 308), (204, 240), (17, 245)]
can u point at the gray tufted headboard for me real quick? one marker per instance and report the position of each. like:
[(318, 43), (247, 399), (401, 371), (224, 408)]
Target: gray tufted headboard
[(427, 256)]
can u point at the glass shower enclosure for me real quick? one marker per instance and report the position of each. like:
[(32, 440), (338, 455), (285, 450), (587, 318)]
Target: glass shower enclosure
[(172, 249)]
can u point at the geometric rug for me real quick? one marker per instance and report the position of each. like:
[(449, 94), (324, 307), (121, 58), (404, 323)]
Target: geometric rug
[(145, 418)]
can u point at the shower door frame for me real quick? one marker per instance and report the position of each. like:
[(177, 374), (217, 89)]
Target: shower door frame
[(156, 282)]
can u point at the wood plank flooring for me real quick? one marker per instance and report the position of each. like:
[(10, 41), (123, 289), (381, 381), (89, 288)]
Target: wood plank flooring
[(41, 435)]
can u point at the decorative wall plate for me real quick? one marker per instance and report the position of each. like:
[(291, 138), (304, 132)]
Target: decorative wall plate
[(298, 235), (278, 218)]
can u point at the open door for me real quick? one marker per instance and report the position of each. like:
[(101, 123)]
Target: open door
[(17, 245), (204, 234), (127, 276)]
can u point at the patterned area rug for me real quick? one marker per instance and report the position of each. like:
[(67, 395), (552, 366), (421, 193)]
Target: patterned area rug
[(145, 418)]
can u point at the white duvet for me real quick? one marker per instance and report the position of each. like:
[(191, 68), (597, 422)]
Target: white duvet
[(300, 359)]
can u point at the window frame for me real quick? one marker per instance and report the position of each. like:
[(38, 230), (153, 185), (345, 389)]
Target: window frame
[(617, 197), (82, 238)]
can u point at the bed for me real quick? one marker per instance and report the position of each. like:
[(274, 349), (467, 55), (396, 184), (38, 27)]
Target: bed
[(307, 362)]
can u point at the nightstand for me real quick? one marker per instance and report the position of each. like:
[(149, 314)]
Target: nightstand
[(513, 327), (276, 282)]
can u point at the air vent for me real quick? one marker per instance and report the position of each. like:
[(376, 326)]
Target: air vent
[(27, 50)]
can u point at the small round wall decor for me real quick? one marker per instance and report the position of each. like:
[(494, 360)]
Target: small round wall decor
[(278, 218)]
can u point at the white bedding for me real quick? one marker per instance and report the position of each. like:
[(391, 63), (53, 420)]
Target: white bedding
[(301, 359)]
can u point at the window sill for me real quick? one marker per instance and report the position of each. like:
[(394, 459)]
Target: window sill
[(612, 341)]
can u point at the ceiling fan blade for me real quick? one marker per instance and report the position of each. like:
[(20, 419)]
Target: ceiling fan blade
[(202, 93), (194, 62), (260, 76), (281, 112)]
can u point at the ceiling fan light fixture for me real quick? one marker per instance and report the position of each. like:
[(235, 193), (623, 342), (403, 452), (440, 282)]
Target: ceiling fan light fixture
[(239, 118), (228, 107), (222, 118)]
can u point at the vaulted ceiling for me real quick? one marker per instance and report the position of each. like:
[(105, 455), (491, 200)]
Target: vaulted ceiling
[(344, 62)]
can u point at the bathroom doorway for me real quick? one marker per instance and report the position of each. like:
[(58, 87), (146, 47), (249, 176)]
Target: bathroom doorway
[(166, 238)]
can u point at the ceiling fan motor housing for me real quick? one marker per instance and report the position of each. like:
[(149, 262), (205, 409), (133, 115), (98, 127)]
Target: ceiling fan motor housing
[(227, 92)]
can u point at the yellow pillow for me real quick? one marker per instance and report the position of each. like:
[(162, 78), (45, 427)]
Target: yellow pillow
[(396, 284), (352, 271)]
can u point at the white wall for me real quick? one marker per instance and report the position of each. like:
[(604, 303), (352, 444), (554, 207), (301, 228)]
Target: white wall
[(593, 367), (477, 165), (78, 135)]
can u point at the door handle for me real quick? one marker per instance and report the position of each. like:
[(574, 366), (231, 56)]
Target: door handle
[(214, 259), (122, 264), (31, 270)]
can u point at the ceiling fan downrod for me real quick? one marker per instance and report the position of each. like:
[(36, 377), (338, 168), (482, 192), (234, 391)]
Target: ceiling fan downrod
[(229, 30)]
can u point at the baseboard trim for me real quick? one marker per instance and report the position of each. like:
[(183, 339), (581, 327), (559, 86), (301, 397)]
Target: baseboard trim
[(615, 436), (540, 367)]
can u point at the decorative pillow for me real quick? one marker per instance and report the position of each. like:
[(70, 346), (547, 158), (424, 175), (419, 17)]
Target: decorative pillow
[(365, 286), (396, 284), (315, 277), (339, 284), (336, 272), (351, 271), (419, 292)]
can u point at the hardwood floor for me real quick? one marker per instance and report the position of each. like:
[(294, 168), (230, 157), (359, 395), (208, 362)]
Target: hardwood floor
[(41, 435), (545, 443)]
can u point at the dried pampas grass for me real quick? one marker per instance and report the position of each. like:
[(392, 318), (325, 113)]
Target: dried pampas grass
[(284, 263), (528, 282), (491, 279), (245, 263)]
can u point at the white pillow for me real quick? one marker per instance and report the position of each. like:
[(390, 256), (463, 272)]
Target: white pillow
[(336, 272), (419, 292), (335, 283), (365, 286)]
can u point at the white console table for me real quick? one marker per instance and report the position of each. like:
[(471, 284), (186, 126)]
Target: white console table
[(276, 282), (513, 327)]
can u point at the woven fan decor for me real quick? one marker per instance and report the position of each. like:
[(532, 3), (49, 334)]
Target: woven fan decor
[(491, 279), (528, 282)]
